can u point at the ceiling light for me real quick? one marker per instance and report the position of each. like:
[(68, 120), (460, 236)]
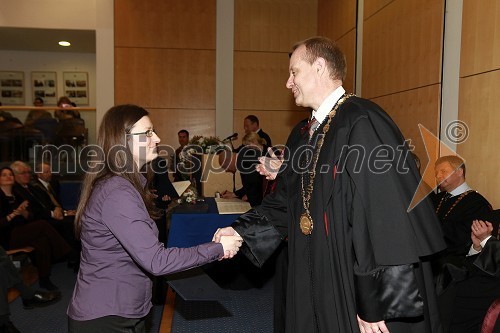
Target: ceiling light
[(64, 43)]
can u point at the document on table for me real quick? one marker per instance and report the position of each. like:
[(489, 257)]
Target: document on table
[(232, 206), (181, 186)]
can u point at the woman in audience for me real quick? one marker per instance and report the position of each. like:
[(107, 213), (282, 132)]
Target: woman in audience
[(18, 229), (115, 221), (247, 159)]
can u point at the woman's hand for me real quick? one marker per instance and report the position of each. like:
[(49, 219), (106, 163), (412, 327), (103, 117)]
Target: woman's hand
[(231, 245)]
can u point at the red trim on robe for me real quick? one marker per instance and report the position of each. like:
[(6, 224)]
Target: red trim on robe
[(325, 220), (334, 171)]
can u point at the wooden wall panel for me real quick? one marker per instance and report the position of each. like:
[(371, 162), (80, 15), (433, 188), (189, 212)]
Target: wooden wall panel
[(478, 104), (347, 44), (165, 23), (336, 18), (409, 109), (480, 37), (278, 124), (373, 6), (259, 81), (165, 78), (402, 47), (167, 122), (273, 25)]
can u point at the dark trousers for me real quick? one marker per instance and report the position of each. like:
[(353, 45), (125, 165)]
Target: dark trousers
[(108, 324), (9, 277), (48, 244)]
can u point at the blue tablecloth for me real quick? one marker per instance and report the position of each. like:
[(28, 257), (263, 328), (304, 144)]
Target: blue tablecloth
[(188, 229)]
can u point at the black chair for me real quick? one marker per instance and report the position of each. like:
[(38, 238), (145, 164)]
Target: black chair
[(48, 127)]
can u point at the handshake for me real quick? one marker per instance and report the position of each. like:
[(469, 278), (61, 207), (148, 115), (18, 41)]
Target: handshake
[(230, 240)]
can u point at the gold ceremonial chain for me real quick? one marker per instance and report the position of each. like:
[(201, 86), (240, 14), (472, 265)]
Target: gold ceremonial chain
[(454, 204), (306, 222)]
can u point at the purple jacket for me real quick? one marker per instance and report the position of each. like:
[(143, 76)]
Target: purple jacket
[(119, 244)]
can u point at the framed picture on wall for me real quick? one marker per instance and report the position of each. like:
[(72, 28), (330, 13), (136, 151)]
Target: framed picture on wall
[(44, 85), (76, 87), (12, 88)]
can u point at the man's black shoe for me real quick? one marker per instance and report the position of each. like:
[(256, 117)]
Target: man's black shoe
[(41, 299), (9, 328)]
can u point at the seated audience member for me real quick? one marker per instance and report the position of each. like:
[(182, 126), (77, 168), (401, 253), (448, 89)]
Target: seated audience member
[(467, 291), (247, 160), (66, 110), (183, 137), (36, 114), (43, 205), (457, 205), (10, 278), (19, 229)]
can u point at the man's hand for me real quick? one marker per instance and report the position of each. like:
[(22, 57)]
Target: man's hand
[(269, 166), (231, 245), (58, 213), (366, 327), (227, 231), (480, 230)]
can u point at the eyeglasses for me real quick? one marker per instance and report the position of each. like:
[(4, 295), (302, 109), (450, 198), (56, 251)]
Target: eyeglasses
[(149, 133)]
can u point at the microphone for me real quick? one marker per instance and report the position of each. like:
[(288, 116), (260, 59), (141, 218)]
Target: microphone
[(231, 137)]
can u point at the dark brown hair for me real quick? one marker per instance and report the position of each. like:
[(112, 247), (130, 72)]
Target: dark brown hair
[(116, 123)]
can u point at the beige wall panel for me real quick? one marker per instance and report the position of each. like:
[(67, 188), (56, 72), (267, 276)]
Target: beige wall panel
[(347, 44), (273, 25), (478, 105), (410, 108), (167, 122), (372, 6), (336, 17), (278, 124), (259, 81), (165, 78), (165, 23), (402, 47), (480, 37)]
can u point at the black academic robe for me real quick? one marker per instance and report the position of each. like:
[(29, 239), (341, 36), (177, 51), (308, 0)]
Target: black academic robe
[(365, 254), (467, 291), (456, 215)]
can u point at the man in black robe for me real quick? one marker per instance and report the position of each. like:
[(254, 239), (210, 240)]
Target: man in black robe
[(357, 256), (457, 205)]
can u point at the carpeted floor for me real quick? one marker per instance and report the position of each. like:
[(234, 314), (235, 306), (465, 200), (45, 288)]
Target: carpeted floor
[(53, 319), (246, 311)]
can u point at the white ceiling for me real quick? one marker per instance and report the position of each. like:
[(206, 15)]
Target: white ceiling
[(45, 40)]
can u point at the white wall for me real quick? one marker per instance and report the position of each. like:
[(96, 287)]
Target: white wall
[(28, 62), (71, 14)]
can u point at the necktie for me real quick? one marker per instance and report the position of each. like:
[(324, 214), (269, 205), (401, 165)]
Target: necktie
[(50, 192), (446, 196), (313, 124)]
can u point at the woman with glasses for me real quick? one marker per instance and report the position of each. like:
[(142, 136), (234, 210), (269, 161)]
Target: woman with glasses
[(115, 222)]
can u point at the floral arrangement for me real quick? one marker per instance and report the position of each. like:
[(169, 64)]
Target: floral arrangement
[(207, 143), (189, 196), (200, 145)]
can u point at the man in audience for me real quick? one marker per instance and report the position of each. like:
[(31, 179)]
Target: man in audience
[(10, 277), (251, 124), (457, 205), (183, 136), (44, 205), (466, 291)]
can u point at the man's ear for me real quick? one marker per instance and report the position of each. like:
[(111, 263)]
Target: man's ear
[(320, 65)]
